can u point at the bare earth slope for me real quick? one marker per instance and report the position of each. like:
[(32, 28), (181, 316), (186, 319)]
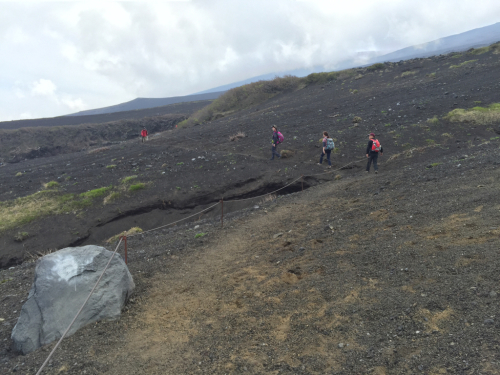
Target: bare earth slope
[(392, 274)]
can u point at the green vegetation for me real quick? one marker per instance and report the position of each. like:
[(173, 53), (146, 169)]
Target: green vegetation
[(375, 67), (431, 75), (136, 187), (51, 184), (198, 235), (479, 51), (476, 115), (96, 192), (38, 205), (462, 64), (181, 163), (456, 56), (129, 232), (178, 187), (409, 73), (388, 124), (21, 236), (433, 121), (430, 141), (435, 164), (19, 174), (126, 180), (111, 166)]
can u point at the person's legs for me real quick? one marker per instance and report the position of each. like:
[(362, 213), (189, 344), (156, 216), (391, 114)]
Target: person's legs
[(274, 151), (375, 159), (369, 163), (142, 139), (328, 153), (321, 158)]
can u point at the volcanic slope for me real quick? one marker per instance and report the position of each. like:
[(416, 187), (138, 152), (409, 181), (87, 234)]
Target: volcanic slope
[(395, 273), (89, 196)]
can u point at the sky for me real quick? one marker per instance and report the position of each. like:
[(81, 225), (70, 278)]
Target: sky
[(62, 57)]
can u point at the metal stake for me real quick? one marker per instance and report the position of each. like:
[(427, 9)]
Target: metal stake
[(222, 213)]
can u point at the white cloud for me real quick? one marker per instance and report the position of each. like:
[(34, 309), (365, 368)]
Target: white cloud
[(43, 87), (94, 54)]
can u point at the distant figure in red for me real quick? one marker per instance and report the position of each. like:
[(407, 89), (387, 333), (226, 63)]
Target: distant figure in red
[(144, 135)]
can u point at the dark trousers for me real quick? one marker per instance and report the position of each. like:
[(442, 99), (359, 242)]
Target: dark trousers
[(372, 156), (274, 150), (327, 153)]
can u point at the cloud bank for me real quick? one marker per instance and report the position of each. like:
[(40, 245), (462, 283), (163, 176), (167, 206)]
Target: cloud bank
[(62, 57)]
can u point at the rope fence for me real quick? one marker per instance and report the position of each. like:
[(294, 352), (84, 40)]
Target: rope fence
[(125, 237)]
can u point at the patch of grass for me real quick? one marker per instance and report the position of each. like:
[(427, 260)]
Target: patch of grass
[(111, 166), (138, 186), (359, 76), (21, 236), (456, 56), (479, 51), (112, 197), (409, 73), (338, 177), (126, 180), (494, 138), (181, 163), (178, 187), (477, 102), (19, 174), (44, 203), (388, 124), (375, 67), (476, 115), (353, 91), (447, 135), (435, 164), (430, 141), (198, 235), (51, 184), (462, 64), (286, 154), (129, 232), (433, 121), (96, 192), (431, 75)]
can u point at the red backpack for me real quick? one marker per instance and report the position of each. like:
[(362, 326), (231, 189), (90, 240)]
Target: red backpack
[(375, 145)]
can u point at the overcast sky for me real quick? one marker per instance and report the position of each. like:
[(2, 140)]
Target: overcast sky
[(62, 57)]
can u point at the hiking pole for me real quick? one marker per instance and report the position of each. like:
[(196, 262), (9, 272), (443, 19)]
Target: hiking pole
[(125, 245), (302, 182)]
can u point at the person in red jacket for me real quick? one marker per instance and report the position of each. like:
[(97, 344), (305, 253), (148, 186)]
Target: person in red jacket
[(144, 134)]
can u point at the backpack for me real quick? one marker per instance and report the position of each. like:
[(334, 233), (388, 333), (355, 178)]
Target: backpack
[(329, 144), (376, 145), (280, 138)]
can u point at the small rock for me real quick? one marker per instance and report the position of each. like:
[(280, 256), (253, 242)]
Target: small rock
[(493, 294), (277, 235), (302, 249), (255, 207), (196, 226), (489, 322), (341, 345)]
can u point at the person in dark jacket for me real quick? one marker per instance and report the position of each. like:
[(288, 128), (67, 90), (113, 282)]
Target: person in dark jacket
[(144, 134), (325, 151), (275, 141), (372, 151)]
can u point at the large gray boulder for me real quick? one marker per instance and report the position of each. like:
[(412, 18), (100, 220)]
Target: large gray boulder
[(63, 280)]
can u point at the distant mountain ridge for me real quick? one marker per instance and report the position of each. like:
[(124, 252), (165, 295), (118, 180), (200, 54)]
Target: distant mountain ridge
[(455, 43), (480, 37), (144, 103)]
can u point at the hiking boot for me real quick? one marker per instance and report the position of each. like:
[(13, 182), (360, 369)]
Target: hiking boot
[(318, 163), (376, 172), (367, 171)]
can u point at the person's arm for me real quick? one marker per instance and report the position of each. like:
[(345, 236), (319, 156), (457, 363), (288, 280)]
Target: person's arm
[(369, 147), (381, 150)]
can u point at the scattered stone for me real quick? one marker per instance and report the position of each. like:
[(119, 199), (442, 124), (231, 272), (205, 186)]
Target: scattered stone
[(277, 235), (341, 345), (256, 207), (489, 322), (493, 294), (196, 226)]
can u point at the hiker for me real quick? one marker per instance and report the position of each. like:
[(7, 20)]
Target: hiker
[(328, 146), (277, 139), (372, 151), (144, 134)]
